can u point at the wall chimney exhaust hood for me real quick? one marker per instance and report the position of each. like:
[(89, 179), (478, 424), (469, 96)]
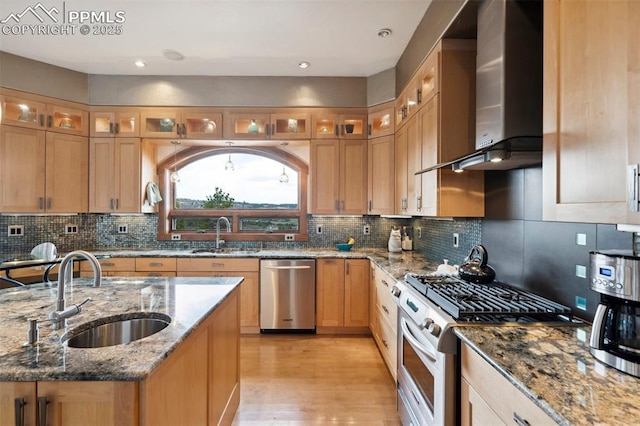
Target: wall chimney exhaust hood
[(508, 86)]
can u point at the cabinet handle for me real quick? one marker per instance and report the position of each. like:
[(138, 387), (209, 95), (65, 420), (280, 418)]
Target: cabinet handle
[(419, 96), (40, 203), (49, 120), (342, 129), (348, 268), (110, 128), (370, 128), (156, 264), (19, 411), (217, 265), (108, 264), (632, 188), (117, 128), (41, 120), (370, 205), (419, 202), (385, 309), (336, 130), (386, 284), (115, 203), (384, 342), (41, 413), (48, 203), (336, 205), (184, 130), (519, 420)]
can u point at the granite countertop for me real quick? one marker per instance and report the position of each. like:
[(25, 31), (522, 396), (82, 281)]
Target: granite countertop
[(188, 301), (553, 367)]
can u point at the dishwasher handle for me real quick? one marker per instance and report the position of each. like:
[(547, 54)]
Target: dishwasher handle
[(289, 267)]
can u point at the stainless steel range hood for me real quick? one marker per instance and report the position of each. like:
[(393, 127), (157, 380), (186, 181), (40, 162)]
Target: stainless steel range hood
[(508, 87)]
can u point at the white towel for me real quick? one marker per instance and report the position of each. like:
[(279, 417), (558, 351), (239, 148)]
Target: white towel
[(153, 194)]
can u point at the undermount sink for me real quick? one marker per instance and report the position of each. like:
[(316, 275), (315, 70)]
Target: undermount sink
[(227, 250), (116, 330)]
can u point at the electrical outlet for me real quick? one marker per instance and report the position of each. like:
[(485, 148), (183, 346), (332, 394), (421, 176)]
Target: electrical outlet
[(366, 230), (456, 239), (319, 229), (175, 237), (419, 232), (71, 229), (15, 230), (289, 237), (123, 229)]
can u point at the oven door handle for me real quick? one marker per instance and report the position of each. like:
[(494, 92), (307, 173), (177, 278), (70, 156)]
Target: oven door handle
[(414, 341)]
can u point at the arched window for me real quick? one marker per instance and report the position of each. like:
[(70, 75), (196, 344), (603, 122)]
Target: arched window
[(261, 190)]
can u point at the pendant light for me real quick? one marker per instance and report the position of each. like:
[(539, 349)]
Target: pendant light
[(284, 178), (175, 177), (228, 166)]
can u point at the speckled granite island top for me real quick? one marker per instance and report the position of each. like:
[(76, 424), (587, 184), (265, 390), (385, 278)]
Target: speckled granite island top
[(553, 367), (188, 301)]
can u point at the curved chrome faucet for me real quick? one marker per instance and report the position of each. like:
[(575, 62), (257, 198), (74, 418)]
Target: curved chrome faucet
[(218, 240), (60, 315)]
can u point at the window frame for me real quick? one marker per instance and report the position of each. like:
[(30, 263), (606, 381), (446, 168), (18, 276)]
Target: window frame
[(194, 153)]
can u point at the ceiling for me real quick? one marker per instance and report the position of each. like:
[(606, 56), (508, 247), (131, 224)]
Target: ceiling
[(216, 37)]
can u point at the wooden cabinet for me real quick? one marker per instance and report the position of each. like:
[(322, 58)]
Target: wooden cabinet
[(111, 267), (42, 171), (329, 124), (70, 403), (265, 125), (381, 175), (155, 266), (487, 397), (38, 112), (385, 311), (186, 123), (342, 295), (114, 123), (381, 120), (338, 176), (408, 185), (115, 182), (590, 111), (227, 267)]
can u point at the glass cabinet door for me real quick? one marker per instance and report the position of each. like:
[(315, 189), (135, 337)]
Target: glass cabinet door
[(353, 126), (67, 120), (159, 124), (428, 75), (247, 126), (291, 126), (325, 125), (201, 125), (21, 112), (109, 124), (381, 123)]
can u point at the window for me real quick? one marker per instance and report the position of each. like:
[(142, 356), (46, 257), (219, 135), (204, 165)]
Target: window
[(261, 190)]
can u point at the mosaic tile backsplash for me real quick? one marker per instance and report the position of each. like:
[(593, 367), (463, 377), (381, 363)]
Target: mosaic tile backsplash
[(101, 232)]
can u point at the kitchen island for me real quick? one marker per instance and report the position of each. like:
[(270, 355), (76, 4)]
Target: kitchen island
[(186, 372)]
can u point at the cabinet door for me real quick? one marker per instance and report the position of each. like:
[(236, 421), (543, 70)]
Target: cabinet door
[(381, 123), (69, 120), (9, 393), (401, 170), (353, 126), (381, 171), (22, 112), (291, 126), (201, 124), (247, 125), (353, 177), (590, 109), (325, 176), (90, 403), (159, 123), (330, 292), (430, 136), (22, 173), (101, 175), (120, 124), (356, 293), (128, 188), (428, 79), (414, 164), (325, 125), (474, 410), (67, 173), (249, 301)]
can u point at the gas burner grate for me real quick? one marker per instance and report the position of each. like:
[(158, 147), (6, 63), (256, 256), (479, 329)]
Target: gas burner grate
[(486, 302)]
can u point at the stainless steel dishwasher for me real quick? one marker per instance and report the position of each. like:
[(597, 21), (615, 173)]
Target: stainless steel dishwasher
[(287, 295)]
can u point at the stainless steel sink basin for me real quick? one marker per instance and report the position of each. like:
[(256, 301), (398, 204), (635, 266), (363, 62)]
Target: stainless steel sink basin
[(116, 330), (230, 250)]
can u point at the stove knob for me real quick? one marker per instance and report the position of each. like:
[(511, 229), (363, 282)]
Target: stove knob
[(434, 329), (395, 291), (426, 323)]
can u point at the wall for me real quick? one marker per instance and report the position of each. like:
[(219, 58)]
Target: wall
[(381, 87), (543, 257)]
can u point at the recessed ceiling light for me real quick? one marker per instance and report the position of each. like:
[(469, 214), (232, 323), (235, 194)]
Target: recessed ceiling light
[(304, 64), (140, 64), (384, 33), (172, 55)]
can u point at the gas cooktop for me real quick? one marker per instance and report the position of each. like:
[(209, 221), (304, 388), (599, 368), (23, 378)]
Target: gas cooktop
[(493, 302)]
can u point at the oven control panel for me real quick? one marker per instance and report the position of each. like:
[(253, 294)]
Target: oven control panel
[(615, 274)]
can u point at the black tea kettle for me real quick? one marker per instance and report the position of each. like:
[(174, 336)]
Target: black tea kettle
[(475, 268)]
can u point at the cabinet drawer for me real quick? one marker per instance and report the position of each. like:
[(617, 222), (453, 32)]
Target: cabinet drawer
[(384, 299), (388, 344), (154, 274), (217, 264), (156, 264), (501, 395), (114, 264)]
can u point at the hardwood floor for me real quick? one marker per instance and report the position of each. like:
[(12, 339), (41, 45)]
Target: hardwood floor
[(314, 380)]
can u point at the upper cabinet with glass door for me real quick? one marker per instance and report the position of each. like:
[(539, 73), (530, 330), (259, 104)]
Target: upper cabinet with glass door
[(186, 123), (115, 123), (381, 120), (263, 125), (38, 112), (329, 124)]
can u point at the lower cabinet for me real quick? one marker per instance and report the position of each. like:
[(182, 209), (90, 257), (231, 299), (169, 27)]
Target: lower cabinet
[(198, 383), (385, 318), (488, 398), (342, 296)]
